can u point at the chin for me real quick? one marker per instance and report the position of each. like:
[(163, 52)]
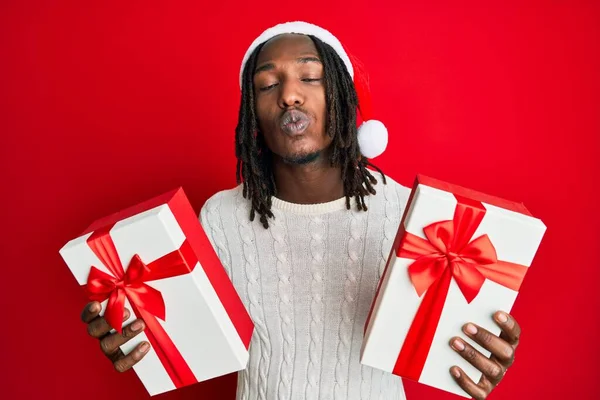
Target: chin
[(302, 158)]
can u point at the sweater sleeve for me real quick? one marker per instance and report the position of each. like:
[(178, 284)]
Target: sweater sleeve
[(211, 222)]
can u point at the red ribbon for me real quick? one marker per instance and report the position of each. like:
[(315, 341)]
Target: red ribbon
[(447, 253), (146, 302)]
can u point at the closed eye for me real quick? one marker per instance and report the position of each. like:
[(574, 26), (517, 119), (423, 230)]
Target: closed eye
[(266, 88)]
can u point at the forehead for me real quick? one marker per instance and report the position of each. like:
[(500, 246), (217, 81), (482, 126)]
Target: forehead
[(286, 46)]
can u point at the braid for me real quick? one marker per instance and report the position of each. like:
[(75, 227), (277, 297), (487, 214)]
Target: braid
[(254, 167)]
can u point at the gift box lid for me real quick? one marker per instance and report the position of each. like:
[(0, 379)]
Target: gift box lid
[(135, 209), (471, 194)]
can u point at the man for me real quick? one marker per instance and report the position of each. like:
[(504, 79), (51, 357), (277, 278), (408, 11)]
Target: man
[(306, 236)]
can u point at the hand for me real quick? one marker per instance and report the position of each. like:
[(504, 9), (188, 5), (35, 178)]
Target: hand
[(502, 351), (110, 342)]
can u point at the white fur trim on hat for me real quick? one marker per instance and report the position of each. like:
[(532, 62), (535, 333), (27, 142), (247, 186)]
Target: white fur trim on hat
[(372, 138), (303, 28)]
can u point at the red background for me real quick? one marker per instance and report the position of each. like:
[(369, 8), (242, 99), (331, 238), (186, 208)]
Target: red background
[(104, 105)]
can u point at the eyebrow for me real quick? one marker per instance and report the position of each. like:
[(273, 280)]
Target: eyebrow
[(300, 60), (304, 60)]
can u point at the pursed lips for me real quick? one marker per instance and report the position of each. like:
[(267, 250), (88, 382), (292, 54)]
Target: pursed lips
[(294, 122)]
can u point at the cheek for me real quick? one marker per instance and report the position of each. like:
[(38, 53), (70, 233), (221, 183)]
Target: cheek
[(265, 112), (265, 116), (320, 107)]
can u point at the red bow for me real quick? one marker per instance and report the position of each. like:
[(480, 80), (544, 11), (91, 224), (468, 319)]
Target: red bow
[(146, 302), (448, 252), (101, 286)]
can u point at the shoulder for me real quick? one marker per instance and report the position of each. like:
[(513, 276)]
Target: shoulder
[(403, 192), (391, 191), (221, 203), (223, 197)]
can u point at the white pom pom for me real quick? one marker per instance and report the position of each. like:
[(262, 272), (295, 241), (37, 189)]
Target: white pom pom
[(372, 138)]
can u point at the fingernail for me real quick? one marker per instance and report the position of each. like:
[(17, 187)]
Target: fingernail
[(471, 329), (502, 317), (95, 307), (458, 345), (144, 347), (455, 372), (137, 325)]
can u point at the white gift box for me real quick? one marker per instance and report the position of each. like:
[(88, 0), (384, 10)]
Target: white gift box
[(196, 323), (425, 270)]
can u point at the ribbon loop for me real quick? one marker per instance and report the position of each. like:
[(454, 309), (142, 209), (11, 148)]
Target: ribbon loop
[(136, 271)]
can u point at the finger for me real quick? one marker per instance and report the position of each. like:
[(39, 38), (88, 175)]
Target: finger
[(476, 392), (495, 345), (90, 311), (98, 327), (486, 384), (111, 343), (125, 363), (490, 368), (510, 328)]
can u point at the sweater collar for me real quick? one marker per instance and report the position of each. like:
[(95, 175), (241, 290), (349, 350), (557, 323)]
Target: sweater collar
[(312, 209)]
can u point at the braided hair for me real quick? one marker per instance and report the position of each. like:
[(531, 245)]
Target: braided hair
[(254, 167)]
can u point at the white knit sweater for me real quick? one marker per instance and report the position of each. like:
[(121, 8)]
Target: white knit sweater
[(308, 282)]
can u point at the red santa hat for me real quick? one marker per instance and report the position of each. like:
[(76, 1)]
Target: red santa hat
[(372, 134)]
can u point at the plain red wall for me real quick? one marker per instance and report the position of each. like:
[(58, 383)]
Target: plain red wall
[(104, 105)]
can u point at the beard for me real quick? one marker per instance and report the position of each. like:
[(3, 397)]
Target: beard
[(302, 159)]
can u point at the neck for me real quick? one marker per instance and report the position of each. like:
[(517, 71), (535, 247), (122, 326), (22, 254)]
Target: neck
[(313, 183)]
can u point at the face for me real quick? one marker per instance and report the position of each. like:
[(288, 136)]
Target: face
[(290, 101)]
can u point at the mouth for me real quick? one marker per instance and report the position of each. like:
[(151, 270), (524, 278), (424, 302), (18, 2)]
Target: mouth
[(294, 122)]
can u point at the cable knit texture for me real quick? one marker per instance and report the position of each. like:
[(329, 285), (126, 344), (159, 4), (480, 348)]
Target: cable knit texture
[(308, 282), (318, 231), (252, 285)]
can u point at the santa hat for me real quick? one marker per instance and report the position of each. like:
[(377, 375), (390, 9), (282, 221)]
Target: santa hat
[(372, 134)]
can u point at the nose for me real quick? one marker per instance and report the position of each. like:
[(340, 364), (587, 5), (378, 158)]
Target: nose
[(290, 94)]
